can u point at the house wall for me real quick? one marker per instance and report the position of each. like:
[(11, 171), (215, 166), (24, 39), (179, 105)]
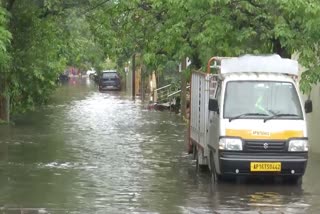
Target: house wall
[(313, 120)]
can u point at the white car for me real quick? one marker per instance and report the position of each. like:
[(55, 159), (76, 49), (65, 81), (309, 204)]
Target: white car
[(91, 73)]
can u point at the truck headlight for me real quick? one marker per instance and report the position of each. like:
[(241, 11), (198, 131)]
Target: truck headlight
[(231, 144), (298, 145)]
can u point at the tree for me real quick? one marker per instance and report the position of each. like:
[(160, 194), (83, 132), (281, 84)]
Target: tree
[(46, 37), (163, 31), (5, 37)]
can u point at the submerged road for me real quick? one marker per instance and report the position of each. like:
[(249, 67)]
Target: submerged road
[(92, 152)]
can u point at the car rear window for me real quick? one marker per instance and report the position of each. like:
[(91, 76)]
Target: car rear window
[(110, 76)]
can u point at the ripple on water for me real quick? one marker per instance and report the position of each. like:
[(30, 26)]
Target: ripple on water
[(102, 153)]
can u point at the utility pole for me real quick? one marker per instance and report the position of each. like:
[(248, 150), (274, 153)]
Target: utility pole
[(143, 71), (134, 76), (183, 88)]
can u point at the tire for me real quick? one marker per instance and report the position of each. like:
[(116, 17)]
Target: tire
[(194, 152), (199, 168), (295, 180), (215, 177)]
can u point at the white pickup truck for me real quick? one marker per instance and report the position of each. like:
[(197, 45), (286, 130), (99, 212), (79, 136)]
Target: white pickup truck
[(247, 118)]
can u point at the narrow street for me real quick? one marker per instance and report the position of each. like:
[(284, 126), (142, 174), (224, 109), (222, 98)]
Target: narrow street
[(91, 152)]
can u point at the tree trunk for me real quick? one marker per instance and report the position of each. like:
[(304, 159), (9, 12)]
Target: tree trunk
[(9, 4), (153, 92), (279, 49), (183, 88), (134, 76), (143, 71), (4, 104)]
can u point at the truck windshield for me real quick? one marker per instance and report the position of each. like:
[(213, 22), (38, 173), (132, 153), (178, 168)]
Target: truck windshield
[(261, 99)]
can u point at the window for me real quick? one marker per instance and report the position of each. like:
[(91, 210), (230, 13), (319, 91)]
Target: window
[(110, 76), (265, 97), (218, 94)]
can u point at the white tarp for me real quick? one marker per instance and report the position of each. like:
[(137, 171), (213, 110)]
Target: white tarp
[(269, 64)]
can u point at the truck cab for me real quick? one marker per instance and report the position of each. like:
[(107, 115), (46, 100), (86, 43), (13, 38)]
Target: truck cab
[(255, 122)]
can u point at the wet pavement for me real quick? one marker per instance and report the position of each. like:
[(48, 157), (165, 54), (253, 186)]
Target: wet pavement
[(92, 152)]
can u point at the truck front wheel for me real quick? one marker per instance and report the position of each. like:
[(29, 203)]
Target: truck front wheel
[(295, 180)]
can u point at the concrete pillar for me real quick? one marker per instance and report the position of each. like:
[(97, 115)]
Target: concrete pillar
[(153, 86)]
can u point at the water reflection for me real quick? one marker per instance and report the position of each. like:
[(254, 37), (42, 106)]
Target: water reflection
[(259, 197)]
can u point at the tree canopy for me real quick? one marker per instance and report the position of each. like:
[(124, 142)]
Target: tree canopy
[(39, 38), (170, 30)]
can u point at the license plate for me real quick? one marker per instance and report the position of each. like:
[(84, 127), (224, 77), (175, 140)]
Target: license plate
[(265, 167)]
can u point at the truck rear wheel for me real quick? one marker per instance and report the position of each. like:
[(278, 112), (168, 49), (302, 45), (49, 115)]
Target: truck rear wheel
[(199, 166), (215, 177), (194, 152)]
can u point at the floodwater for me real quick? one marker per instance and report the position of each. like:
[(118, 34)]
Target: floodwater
[(92, 152)]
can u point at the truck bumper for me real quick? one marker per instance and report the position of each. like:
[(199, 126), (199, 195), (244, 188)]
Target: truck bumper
[(239, 164)]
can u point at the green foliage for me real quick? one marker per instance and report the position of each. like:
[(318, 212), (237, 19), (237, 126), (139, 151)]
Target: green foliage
[(35, 57), (108, 64), (5, 38), (47, 35), (171, 30), (81, 49)]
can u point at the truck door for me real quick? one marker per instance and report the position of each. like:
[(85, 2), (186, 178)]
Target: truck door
[(214, 122)]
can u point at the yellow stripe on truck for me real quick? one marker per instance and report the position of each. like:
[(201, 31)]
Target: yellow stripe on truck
[(258, 134)]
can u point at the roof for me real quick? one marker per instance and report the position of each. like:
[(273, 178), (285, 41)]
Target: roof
[(274, 77), (109, 71), (260, 64)]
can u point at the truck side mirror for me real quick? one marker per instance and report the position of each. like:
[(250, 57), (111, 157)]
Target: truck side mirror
[(308, 106), (213, 105)]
